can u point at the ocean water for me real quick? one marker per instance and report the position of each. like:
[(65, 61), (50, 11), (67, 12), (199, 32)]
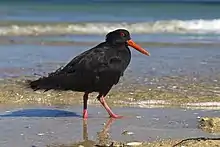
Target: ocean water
[(88, 21), (157, 21)]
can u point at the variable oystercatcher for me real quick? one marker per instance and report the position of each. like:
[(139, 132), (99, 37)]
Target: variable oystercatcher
[(95, 70)]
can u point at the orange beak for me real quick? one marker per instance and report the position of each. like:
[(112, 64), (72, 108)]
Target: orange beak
[(137, 47)]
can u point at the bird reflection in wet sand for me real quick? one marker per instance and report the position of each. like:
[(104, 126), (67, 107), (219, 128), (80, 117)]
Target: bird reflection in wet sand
[(103, 136)]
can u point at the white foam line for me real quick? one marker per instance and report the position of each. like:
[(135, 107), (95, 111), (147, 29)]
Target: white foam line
[(207, 104), (163, 26), (203, 105), (163, 103), (203, 108), (150, 102)]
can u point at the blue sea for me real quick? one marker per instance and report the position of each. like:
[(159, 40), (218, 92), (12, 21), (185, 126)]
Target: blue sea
[(152, 21), (190, 31)]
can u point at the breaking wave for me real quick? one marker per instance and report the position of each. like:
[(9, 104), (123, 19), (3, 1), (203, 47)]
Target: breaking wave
[(171, 26)]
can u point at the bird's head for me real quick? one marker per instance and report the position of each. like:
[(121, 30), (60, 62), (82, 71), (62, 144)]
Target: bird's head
[(122, 36)]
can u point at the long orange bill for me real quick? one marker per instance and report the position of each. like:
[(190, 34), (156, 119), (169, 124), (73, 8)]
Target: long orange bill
[(137, 47)]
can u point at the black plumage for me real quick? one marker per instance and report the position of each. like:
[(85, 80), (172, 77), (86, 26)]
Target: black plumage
[(95, 70)]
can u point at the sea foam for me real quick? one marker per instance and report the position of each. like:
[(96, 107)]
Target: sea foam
[(162, 26)]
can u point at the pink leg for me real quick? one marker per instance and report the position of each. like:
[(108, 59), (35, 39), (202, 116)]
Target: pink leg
[(85, 111), (105, 105)]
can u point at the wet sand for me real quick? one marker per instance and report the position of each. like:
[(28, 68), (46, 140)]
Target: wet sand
[(40, 126), (194, 95)]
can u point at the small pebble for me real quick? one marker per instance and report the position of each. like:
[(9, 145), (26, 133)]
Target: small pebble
[(134, 143), (156, 118), (174, 87), (138, 117), (40, 134), (127, 133), (186, 125)]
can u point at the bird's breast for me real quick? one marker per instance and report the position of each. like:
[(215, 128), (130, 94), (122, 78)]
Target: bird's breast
[(120, 60)]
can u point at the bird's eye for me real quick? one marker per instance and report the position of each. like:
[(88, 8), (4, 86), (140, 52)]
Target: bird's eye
[(122, 34)]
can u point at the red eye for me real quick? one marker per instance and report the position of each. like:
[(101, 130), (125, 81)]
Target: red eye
[(122, 34)]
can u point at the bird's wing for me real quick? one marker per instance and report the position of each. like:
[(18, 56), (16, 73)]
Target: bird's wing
[(90, 60), (96, 63)]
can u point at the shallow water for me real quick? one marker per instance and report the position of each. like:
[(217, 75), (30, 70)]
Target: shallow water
[(40, 126), (27, 59)]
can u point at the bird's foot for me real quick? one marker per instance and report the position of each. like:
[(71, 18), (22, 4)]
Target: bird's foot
[(116, 116)]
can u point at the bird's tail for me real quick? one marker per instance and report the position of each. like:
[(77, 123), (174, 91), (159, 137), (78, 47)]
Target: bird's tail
[(57, 82), (41, 83), (44, 83)]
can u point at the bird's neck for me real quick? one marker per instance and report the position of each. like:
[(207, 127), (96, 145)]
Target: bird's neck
[(117, 45)]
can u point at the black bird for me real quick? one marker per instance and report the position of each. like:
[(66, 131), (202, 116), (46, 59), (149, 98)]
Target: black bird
[(95, 70)]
